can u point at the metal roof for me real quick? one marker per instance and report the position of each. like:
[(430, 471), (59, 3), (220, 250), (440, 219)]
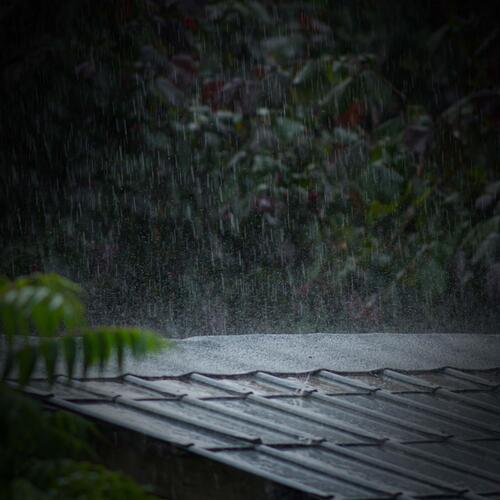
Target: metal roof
[(222, 354), (371, 434)]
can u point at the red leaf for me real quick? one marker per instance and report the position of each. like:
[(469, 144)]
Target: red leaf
[(190, 23), (211, 90), (259, 71), (353, 116)]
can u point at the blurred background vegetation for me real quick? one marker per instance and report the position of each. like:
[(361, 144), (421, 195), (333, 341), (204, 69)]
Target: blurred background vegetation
[(226, 167)]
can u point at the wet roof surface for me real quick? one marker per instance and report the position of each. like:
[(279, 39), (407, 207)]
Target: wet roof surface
[(375, 434), (223, 354)]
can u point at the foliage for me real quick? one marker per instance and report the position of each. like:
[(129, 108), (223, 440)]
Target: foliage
[(49, 307), (227, 166), (43, 454)]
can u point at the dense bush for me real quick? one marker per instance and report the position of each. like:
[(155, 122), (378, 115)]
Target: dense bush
[(234, 166)]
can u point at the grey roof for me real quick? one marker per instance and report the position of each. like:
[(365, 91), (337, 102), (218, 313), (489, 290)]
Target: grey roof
[(304, 352), (379, 434)]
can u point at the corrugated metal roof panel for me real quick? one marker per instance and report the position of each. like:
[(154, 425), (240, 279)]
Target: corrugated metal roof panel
[(377, 434)]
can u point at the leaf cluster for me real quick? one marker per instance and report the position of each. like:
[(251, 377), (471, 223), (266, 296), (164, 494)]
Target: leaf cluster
[(43, 319), (45, 454)]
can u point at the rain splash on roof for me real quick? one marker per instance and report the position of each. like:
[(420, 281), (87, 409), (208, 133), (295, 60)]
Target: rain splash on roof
[(322, 434)]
